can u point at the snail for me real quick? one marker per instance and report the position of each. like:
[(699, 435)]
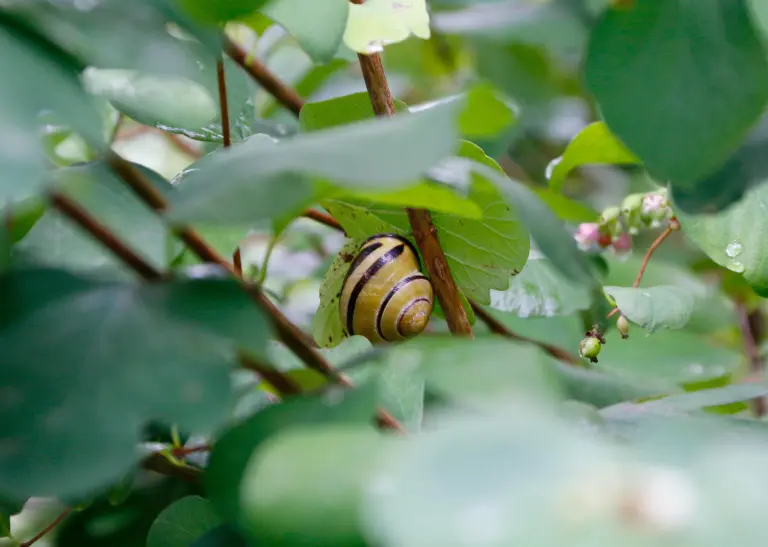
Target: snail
[(385, 297)]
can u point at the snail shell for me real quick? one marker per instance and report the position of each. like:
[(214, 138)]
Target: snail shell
[(385, 297)]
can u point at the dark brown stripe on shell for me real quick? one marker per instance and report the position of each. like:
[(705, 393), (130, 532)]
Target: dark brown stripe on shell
[(398, 237), (400, 284), (405, 310), (382, 261)]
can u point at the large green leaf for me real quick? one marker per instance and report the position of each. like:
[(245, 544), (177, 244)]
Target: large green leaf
[(43, 82), (735, 238), (219, 12), (318, 27), (124, 354), (183, 522), (674, 357), (378, 22), (163, 100), (343, 110), (654, 307), (232, 453), (283, 488), (649, 68), (540, 290), (482, 254), (565, 208), (358, 155), (56, 241), (594, 144)]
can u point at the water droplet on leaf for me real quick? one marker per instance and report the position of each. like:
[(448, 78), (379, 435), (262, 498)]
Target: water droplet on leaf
[(735, 266), (551, 167), (734, 249)]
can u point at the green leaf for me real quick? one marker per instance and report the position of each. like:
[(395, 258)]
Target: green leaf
[(44, 81), (105, 383), (657, 45), (355, 156), (654, 307), (167, 100), (327, 327), (5, 524), (378, 22), (482, 254), (486, 113), (674, 357), (687, 402), (5, 243), (232, 452), (283, 488), (221, 536), (284, 359), (594, 144), (712, 310), (605, 388), (548, 232), (182, 523), (540, 290), (565, 208), (54, 240), (318, 27), (219, 12), (735, 238), (425, 194), (308, 83), (343, 110)]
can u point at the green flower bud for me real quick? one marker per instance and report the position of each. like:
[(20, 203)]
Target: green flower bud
[(589, 348), (610, 221)]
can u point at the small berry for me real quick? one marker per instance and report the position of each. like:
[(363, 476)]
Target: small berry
[(604, 240), (589, 348), (622, 324)]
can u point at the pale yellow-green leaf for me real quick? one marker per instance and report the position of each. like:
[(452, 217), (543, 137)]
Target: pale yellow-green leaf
[(375, 23)]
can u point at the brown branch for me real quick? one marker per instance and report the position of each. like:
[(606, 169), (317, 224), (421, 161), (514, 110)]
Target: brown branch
[(220, 76), (421, 221), (182, 451), (672, 227), (752, 329), (104, 235), (283, 93), (323, 218), (439, 272), (237, 262), (284, 384), (47, 529), (498, 327)]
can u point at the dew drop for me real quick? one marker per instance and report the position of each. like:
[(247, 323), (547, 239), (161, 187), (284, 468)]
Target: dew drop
[(551, 167), (734, 249), (735, 266)]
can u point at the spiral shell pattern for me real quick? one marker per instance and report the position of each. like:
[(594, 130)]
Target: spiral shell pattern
[(385, 297)]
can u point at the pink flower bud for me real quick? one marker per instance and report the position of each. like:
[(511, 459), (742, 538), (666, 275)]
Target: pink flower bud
[(654, 203), (623, 243), (587, 234)]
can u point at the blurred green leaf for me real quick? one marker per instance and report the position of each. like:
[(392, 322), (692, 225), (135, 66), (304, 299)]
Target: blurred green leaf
[(378, 22), (346, 109), (318, 27), (221, 190), (221, 536), (283, 488), (5, 524), (105, 384), (565, 208), (540, 290), (634, 55), (594, 144), (182, 523), (486, 113), (309, 82), (161, 100), (652, 308), (232, 453), (219, 12), (482, 254), (45, 82), (686, 402), (735, 238), (54, 240), (675, 357)]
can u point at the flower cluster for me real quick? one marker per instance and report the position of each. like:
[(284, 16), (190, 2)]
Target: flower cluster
[(617, 225)]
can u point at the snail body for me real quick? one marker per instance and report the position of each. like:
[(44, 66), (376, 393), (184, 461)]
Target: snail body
[(385, 297)]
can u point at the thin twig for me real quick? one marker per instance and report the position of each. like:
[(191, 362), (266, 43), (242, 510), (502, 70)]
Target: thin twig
[(323, 218), (284, 384), (644, 264), (283, 93), (237, 262), (48, 528), (498, 327), (181, 451), (83, 218), (224, 109), (116, 128), (183, 145), (752, 330), (159, 463)]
